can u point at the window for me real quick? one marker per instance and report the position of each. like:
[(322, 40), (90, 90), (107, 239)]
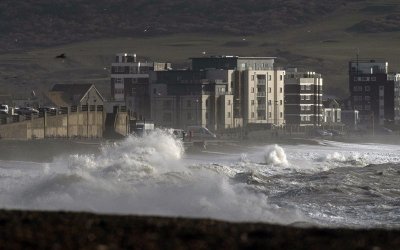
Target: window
[(280, 90), (252, 102), (373, 79), (269, 90), (252, 77), (252, 114), (308, 87), (119, 80), (269, 78), (302, 87), (189, 116), (206, 115), (188, 103), (281, 114), (206, 103), (357, 88), (269, 102), (367, 107), (367, 88), (308, 97), (269, 114), (252, 90), (229, 102), (229, 114), (367, 98), (280, 102), (281, 77)]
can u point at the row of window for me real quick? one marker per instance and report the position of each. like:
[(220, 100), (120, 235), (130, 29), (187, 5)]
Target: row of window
[(305, 118), (259, 90), (360, 88), (269, 115), (305, 97), (305, 87), (269, 77), (360, 107), (305, 108), (364, 79), (360, 98)]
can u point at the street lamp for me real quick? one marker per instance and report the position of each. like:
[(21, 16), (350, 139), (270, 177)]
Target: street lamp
[(197, 110)]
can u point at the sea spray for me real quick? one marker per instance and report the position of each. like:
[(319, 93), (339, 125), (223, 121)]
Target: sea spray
[(157, 151), (275, 155)]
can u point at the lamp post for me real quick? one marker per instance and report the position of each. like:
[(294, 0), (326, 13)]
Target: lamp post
[(87, 116), (197, 110)]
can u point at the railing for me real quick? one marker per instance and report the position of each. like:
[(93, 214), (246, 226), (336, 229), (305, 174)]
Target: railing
[(261, 107), (261, 94), (261, 82)]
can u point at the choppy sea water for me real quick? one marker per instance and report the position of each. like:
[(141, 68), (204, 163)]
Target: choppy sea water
[(331, 184)]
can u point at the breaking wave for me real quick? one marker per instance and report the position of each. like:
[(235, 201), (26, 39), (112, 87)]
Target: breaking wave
[(275, 155)]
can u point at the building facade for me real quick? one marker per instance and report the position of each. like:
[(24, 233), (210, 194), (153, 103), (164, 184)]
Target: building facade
[(130, 83), (182, 98), (256, 85), (374, 91), (303, 98), (332, 112)]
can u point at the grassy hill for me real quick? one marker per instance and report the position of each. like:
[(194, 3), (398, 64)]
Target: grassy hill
[(316, 35)]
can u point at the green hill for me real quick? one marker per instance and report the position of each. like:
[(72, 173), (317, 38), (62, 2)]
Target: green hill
[(318, 35)]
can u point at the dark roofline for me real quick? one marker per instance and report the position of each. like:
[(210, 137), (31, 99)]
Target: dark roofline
[(237, 57)]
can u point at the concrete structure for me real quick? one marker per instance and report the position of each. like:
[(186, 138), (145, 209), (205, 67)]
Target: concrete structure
[(332, 113), (220, 93), (303, 98), (263, 97), (130, 83), (374, 91), (257, 87), (185, 98)]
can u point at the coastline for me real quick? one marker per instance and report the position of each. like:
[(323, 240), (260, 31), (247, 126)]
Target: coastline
[(74, 230)]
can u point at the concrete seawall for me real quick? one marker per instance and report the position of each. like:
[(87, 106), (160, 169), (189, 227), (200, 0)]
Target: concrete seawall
[(84, 124)]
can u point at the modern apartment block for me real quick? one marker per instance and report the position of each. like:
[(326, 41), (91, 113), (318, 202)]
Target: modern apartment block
[(303, 98), (182, 98), (130, 83), (257, 87), (374, 91)]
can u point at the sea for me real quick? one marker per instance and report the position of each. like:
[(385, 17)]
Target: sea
[(327, 183)]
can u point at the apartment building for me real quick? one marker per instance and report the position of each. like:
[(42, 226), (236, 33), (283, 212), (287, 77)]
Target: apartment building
[(303, 98), (130, 83), (257, 87), (182, 98), (374, 91)]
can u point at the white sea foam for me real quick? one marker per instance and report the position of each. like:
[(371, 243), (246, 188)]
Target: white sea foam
[(275, 155), (152, 175)]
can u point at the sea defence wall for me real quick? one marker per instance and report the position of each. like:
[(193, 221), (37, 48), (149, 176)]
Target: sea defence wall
[(79, 124)]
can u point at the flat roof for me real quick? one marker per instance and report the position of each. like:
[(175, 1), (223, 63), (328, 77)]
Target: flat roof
[(238, 57)]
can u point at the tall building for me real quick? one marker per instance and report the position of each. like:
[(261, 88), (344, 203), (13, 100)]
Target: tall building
[(257, 87), (130, 83), (182, 98), (303, 98), (374, 91)]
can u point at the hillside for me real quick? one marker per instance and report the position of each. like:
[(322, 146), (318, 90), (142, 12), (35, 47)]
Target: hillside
[(46, 22), (316, 35)]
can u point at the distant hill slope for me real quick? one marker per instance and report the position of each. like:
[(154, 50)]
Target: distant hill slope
[(32, 23)]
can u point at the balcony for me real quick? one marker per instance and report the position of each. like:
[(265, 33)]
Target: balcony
[(261, 94), (261, 82), (261, 107)]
